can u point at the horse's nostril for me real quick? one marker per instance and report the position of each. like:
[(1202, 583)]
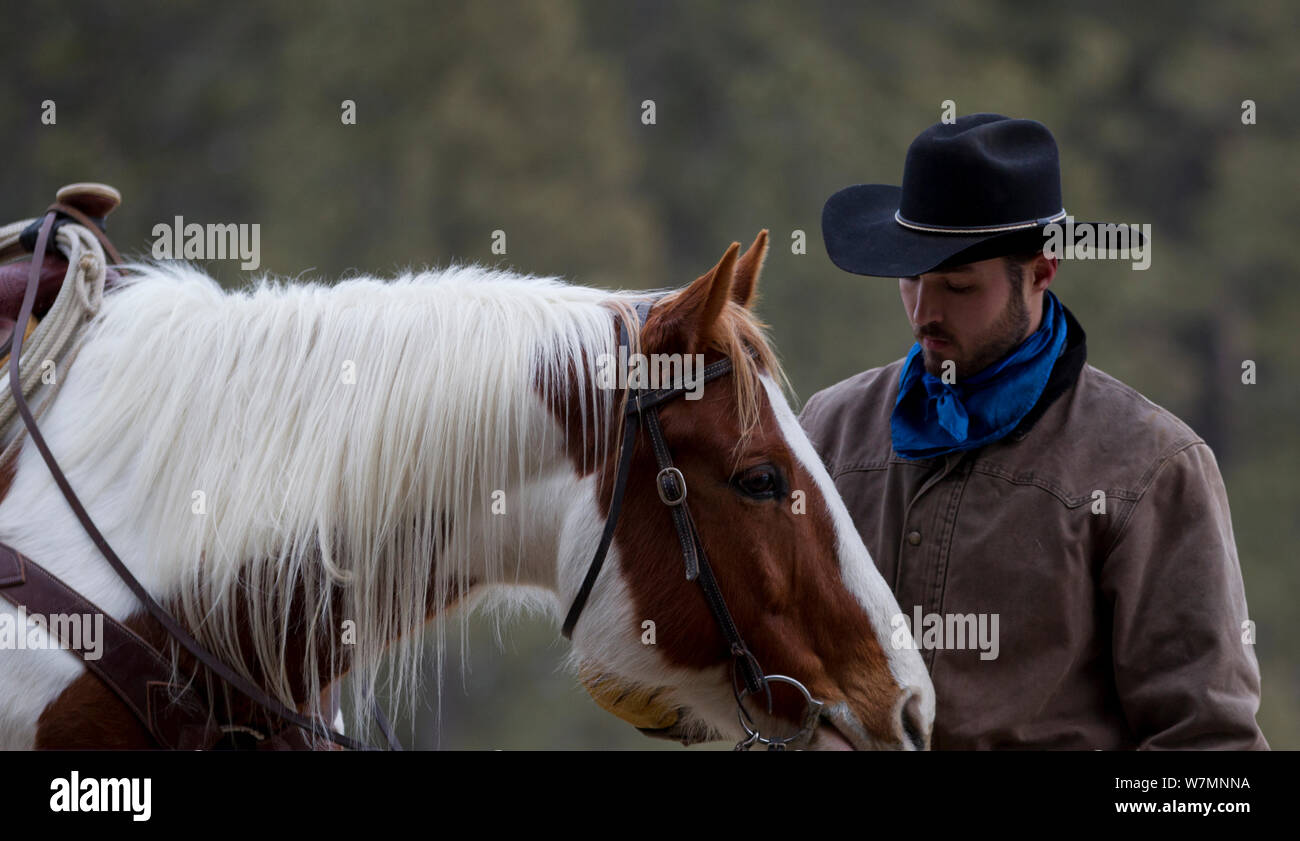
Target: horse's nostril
[(915, 728)]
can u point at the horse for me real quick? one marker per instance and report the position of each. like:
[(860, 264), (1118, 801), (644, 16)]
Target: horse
[(312, 477)]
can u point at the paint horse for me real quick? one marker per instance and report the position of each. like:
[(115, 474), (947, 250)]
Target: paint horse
[(309, 477)]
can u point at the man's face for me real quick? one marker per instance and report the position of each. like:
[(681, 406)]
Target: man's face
[(969, 314)]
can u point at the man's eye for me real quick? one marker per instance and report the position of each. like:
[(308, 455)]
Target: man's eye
[(762, 482), (959, 289)]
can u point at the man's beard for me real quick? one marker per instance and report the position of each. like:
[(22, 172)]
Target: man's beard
[(1004, 336)]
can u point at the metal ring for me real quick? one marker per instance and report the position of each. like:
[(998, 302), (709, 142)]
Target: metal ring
[(239, 728), (681, 481), (811, 714)]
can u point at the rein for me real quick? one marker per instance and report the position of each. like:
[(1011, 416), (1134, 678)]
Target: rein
[(240, 684), (641, 408)]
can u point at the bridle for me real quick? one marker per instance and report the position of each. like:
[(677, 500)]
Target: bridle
[(641, 407)]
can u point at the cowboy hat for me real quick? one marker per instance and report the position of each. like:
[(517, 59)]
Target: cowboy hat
[(983, 186)]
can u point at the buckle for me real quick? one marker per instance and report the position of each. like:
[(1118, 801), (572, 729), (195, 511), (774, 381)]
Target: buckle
[(674, 473)]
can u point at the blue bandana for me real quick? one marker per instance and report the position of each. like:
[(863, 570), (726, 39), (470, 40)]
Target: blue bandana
[(932, 418)]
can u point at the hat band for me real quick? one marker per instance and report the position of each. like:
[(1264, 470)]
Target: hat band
[(979, 229)]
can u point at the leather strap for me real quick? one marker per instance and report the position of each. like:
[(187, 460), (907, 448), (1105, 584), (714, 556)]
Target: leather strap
[(642, 408), (68, 213), (697, 560), (127, 665), (615, 506)]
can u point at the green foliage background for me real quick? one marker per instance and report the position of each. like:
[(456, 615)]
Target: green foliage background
[(525, 117)]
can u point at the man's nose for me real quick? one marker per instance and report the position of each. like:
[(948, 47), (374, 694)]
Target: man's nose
[(925, 310)]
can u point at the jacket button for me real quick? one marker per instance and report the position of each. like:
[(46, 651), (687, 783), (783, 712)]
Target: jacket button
[(914, 538)]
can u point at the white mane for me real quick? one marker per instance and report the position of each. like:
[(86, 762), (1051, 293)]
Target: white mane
[(240, 402)]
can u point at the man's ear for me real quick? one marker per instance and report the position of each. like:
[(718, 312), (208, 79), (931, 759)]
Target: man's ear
[(689, 318), (1042, 274), (747, 270)]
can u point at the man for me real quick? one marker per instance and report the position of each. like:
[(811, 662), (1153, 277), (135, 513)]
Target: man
[(1062, 546)]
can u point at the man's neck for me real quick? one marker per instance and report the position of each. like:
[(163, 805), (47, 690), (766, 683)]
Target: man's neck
[(1036, 317)]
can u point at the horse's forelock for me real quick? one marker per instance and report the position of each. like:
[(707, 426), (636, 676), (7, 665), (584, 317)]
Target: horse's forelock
[(736, 332)]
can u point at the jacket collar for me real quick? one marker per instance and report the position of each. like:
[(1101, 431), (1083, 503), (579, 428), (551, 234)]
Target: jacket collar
[(1064, 374)]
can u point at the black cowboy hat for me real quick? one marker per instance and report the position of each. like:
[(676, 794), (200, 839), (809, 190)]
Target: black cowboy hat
[(983, 186)]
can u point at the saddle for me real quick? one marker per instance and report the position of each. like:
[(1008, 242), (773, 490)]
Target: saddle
[(13, 279), (85, 204)]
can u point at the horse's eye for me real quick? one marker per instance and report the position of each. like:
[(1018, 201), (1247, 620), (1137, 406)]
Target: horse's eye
[(762, 482)]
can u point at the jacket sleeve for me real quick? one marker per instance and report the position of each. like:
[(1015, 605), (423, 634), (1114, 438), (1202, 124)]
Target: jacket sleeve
[(1186, 676)]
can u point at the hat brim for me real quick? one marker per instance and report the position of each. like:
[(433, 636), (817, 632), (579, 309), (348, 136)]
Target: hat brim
[(863, 237)]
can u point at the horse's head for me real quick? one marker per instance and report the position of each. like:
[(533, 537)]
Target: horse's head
[(806, 598)]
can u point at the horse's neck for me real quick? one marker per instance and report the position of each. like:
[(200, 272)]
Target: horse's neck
[(283, 461), (520, 533)]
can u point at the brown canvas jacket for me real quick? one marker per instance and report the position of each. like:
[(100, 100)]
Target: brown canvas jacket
[(1115, 630)]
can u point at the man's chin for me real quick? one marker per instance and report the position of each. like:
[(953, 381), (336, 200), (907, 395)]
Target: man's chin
[(935, 363)]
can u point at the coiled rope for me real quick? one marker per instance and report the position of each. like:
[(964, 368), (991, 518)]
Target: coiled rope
[(52, 344)]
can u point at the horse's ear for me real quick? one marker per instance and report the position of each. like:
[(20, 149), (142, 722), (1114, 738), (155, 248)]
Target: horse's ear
[(747, 269), (691, 315)]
